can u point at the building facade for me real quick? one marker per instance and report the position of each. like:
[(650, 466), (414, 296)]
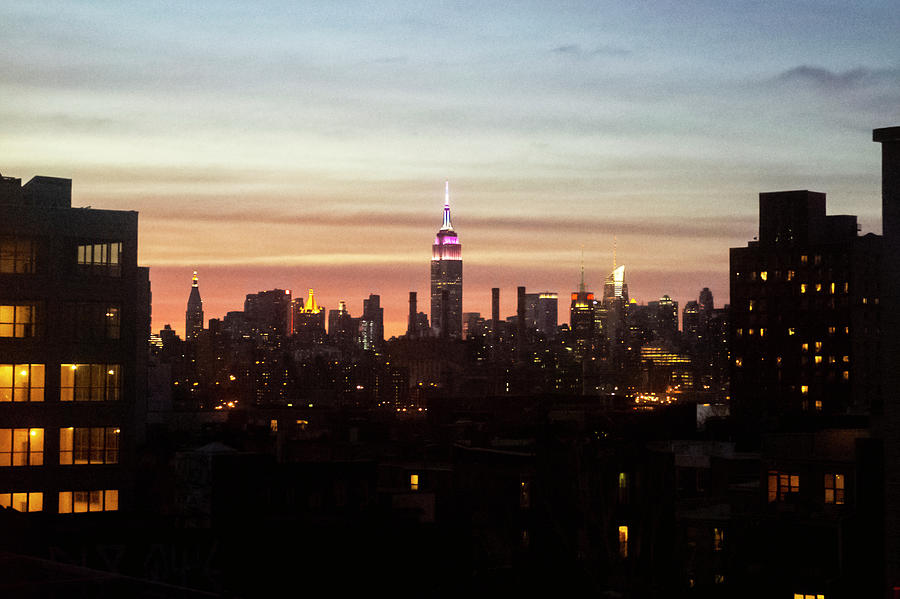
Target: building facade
[(74, 324)]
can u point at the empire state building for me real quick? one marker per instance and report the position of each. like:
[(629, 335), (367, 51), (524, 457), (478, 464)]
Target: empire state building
[(446, 278)]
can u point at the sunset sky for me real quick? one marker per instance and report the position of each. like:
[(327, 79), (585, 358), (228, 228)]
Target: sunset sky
[(299, 144)]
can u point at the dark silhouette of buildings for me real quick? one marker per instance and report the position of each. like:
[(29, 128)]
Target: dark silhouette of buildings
[(446, 278)]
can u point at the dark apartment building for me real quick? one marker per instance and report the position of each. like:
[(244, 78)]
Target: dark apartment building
[(74, 324), (804, 314)]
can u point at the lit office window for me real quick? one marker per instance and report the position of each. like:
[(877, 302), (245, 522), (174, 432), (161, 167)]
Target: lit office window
[(413, 482), (95, 445), (21, 446), (718, 539), (21, 382), (18, 321), (834, 489), (623, 541), (623, 488), (80, 502), (17, 256), (89, 382), (23, 502), (101, 258)]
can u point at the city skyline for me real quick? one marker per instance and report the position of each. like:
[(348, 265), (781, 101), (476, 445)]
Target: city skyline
[(268, 146)]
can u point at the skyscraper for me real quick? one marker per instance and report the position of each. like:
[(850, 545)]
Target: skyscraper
[(446, 276), (193, 317)]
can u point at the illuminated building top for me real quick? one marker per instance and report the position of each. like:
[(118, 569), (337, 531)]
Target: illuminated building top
[(615, 283), (194, 281), (311, 307), (446, 243)]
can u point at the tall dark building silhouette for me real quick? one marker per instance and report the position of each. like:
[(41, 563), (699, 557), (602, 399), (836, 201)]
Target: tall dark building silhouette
[(74, 323), (804, 314), (581, 316), (446, 276), (371, 325), (193, 316)]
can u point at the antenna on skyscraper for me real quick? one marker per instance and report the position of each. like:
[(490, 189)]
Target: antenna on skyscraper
[(615, 247), (581, 286)]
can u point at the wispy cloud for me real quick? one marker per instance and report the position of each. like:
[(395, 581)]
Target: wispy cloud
[(576, 50), (826, 79)]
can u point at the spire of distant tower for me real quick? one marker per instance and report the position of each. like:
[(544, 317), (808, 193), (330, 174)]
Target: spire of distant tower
[(446, 224), (194, 280), (581, 288), (615, 244), (311, 303)]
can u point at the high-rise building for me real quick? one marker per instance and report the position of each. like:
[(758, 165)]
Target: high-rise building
[(804, 314), (371, 324), (446, 277), (309, 320), (581, 317), (74, 324), (541, 312), (193, 317), (268, 315)]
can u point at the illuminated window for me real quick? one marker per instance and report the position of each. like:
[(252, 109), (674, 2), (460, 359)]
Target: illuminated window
[(818, 346), (803, 259), (95, 445), (80, 502), (790, 275), (832, 330), (738, 362), (818, 286), (23, 502), (762, 332), (804, 389), (93, 322), (751, 332), (845, 359), (17, 256), (524, 494), (21, 447), (846, 375), (805, 347), (273, 425), (817, 260), (18, 320), (101, 258), (751, 304), (623, 488), (846, 287), (763, 275), (718, 539), (739, 332), (413, 482), (846, 330), (719, 579), (831, 289), (623, 541), (783, 486), (818, 359), (818, 405), (791, 331), (21, 382), (89, 382), (802, 287), (808, 596), (834, 489)]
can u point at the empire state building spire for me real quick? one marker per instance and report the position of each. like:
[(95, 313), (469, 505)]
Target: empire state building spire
[(446, 226)]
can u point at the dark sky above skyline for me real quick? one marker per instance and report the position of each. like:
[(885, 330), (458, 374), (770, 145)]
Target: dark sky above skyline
[(297, 145)]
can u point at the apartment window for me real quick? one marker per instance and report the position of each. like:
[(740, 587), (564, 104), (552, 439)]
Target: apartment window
[(623, 488), (790, 275), (21, 382), (783, 486), (764, 275), (101, 258), (524, 494), (23, 502), (623, 541), (17, 256), (79, 502), (808, 596), (834, 489), (94, 321), (18, 321), (413, 482), (802, 287), (94, 445), (21, 447), (89, 382), (718, 539)]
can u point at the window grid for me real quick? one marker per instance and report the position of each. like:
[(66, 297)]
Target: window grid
[(18, 321), (101, 258), (80, 502), (23, 502), (17, 256), (89, 382), (21, 447), (834, 489), (21, 382), (96, 445)]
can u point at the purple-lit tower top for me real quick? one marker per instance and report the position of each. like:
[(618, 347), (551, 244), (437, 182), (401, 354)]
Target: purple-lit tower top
[(446, 243)]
